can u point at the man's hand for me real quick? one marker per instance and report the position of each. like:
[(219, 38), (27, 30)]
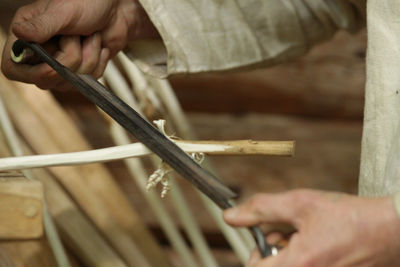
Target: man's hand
[(92, 31), (333, 229)]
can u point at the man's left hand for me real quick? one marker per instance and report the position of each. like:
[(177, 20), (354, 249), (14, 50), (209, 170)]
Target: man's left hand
[(332, 229)]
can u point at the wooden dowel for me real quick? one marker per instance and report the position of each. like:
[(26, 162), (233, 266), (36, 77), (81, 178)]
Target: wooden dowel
[(139, 174), (139, 150)]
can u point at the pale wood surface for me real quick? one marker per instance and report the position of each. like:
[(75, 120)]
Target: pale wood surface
[(20, 208)]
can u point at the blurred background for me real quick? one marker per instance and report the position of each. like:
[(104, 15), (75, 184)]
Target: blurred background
[(316, 100)]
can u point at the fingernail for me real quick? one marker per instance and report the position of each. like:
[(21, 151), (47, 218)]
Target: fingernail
[(230, 214)]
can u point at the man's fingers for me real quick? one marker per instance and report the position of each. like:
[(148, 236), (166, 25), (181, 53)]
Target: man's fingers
[(91, 50), (288, 208), (114, 37), (101, 66), (39, 22), (70, 54)]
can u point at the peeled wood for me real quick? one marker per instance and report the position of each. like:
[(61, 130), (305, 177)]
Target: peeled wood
[(243, 147), (92, 186), (20, 209)]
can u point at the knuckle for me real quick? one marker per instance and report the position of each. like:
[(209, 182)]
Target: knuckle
[(116, 42)]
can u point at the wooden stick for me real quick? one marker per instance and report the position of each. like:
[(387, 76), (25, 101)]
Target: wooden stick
[(246, 147), (92, 186), (138, 172), (239, 239), (185, 215)]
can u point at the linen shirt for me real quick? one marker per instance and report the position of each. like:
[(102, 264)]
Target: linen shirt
[(217, 35)]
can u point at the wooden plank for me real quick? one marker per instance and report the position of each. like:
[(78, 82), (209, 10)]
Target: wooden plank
[(21, 208)]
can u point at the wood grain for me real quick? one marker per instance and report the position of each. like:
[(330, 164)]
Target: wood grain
[(20, 208)]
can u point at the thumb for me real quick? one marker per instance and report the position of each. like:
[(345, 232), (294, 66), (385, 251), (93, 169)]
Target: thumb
[(289, 208), (34, 24)]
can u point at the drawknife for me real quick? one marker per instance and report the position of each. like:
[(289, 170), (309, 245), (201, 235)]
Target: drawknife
[(146, 133)]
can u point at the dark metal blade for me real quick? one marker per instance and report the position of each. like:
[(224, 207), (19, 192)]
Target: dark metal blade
[(141, 129)]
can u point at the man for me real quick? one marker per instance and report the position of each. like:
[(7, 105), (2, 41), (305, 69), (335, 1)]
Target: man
[(210, 35)]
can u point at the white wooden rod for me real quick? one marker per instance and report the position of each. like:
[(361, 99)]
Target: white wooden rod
[(138, 150)]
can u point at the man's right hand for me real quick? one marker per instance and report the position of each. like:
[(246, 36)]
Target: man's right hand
[(92, 31)]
